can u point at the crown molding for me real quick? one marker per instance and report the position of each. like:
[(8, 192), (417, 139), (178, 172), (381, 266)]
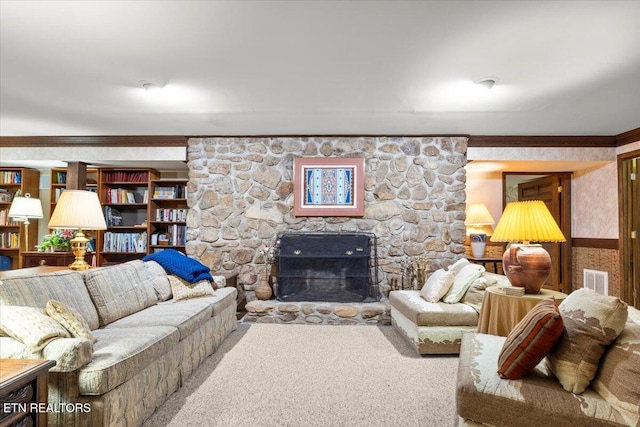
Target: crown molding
[(541, 141), (93, 141), (628, 137)]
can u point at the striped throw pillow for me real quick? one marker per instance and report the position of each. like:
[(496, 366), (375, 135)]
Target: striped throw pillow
[(531, 340)]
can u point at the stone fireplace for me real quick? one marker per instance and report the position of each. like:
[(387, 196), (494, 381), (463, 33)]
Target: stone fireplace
[(241, 198)]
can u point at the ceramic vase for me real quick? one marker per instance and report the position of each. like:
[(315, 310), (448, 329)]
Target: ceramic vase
[(263, 290), (527, 266)]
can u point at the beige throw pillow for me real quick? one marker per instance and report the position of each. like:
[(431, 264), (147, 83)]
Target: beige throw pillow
[(591, 322), (458, 265), (71, 319), (182, 289), (462, 281), (475, 294), (437, 285), (31, 326)]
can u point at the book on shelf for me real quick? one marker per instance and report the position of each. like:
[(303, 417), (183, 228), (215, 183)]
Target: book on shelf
[(11, 177), (112, 216), (5, 219), (125, 242), (122, 196), (174, 235), (178, 191), (126, 176), (9, 240), (171, 215)]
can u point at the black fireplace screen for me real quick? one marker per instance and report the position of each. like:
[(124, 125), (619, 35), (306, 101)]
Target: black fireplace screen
[(331, 267)]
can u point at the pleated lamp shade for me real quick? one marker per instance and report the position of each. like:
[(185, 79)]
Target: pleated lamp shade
[(527, 221), (78, 209)]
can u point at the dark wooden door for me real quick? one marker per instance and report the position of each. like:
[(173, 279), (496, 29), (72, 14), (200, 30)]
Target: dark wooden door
[(551, 190), (630, 229)]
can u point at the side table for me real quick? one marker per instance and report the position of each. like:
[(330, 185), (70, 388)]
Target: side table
[(500, 312), (23, 383), (495, 262), (35, 259)]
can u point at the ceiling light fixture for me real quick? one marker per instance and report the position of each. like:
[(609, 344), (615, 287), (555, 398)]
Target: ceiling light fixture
[(486, 83), (148, 86)]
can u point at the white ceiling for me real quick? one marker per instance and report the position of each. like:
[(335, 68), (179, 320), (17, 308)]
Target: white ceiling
[(319, 67)]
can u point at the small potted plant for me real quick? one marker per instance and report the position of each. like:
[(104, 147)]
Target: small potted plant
[(58, 241)]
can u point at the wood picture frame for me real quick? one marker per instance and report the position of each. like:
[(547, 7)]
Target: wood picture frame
[(331, 186)]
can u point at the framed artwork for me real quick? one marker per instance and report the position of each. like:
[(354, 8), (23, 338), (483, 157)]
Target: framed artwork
[(332, 186)]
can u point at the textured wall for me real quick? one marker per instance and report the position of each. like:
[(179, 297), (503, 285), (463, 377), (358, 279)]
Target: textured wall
[(241, 197), (595, 203)]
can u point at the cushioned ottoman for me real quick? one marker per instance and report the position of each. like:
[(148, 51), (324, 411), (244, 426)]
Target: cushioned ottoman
[(431, 327)]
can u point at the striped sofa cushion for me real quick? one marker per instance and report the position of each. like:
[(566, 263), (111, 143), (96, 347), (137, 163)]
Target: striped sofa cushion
[(35, 289), (120, 290)]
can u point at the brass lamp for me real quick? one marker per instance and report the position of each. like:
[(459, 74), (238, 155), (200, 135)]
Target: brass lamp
[(24, 208), (78, 210), (478, 216), (527, 265)]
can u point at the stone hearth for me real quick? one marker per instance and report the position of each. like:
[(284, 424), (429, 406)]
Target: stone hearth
[(319, 313)]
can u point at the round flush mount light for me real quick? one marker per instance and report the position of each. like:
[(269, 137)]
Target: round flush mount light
[(486, 83), (149, 86)]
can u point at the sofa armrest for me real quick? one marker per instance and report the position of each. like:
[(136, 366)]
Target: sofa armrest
[(69, 353)]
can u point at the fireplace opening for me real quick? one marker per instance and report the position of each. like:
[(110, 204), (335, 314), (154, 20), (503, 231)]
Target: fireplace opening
[(330, 267)]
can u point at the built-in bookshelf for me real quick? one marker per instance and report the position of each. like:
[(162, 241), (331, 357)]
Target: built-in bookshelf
[(124, 194), (168, 214), (16, 182)]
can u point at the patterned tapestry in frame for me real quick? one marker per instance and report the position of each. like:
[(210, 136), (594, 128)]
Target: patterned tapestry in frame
[(332, 186)]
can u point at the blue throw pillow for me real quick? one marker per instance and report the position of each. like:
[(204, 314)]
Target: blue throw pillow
[(177, 263)]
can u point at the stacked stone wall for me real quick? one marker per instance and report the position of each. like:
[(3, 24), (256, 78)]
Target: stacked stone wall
[(241, 198)]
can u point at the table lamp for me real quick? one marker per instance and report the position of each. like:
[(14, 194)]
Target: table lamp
[(477, 216), (527, 265), (24, 208), (78, 210)]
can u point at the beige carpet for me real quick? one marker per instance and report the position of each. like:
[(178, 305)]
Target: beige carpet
[(315, 375)]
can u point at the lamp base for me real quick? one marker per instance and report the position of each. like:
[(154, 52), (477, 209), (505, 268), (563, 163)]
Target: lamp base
[(527, 266), (79, 245), (478, 242)]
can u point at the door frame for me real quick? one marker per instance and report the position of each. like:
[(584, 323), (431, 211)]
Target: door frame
[(566, 251), (624, 241)]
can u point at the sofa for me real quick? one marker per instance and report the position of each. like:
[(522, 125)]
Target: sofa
[(437, 327), (611, 396), (146, 343)]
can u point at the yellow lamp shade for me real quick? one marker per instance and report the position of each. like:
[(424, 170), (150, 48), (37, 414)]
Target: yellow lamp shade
[(527, 221)]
